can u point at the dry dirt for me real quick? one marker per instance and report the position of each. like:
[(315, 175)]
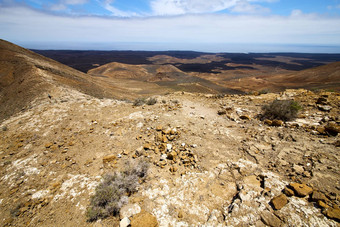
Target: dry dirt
[(52, 159)]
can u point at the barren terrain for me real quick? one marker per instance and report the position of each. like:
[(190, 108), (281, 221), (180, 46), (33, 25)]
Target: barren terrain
[(213, 160)]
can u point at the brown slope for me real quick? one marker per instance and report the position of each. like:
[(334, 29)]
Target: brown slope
[(26, 76), (324, 77)]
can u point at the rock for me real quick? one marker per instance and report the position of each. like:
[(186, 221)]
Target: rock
[(268, 122), (270, 219), (221, 112), (166, 131), (332, 128), (164, 139), (159, 128), (279, 201), (318, 196), (173, 131), (48, 145), (337, 143), (129, 210), (301, 190), (168, 147), (288, 191), (325, 108), (322, 204), (172, 155), (321, 130), (277, 123), (125, 222), (109, 158), (333, 213), (245, 117), (147, 146), (298, 169), (321, 101), (173, 169), (144, 219)]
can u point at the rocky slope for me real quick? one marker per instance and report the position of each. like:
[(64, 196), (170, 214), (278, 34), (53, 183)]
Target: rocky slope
[(213, 163), (213, 160)]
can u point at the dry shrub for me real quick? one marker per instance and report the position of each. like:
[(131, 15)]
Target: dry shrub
[(281, 110), (151, 101), (139, 102), (111, 193)]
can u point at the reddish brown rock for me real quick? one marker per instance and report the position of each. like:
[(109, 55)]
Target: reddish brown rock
[(279, 201), (333, 213), (301, 190), (288, 191), (277, 123), (144, 219)]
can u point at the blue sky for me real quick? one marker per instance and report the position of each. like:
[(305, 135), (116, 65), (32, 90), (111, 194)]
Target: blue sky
[(206, 25)]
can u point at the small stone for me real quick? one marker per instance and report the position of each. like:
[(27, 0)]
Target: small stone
[(325, 108), (270, 219), (173, 169), (268, 122), (321, 101), (144, 219), (173, 131), (245, 117), (166, 131), (221, 112), (109, 158), (172, 155), (332, 128), (279, 201), (333, 213), (298, 169), (125, 222), (164, 139), (288, 191), (129, 210), (322, 204), (168, 147), (301, 190), (318, 196), (277, 123), (147, 146), (159, 128), (48, 145)]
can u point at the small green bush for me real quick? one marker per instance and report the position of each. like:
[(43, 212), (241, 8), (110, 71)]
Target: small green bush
[(151, 101), (139, 102), (281, 110), (111, 193)]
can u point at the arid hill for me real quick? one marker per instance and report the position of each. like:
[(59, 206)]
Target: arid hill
[(26, 76), (195, 159)]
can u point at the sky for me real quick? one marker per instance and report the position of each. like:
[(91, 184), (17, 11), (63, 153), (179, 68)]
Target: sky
[(200, 25)]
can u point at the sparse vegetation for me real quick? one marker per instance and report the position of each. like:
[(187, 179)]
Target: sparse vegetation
[(282, 110), (151, 101), (112, 193), (264, 91), (139, 102)]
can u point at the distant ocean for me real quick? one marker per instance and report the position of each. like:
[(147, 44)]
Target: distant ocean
[(202, 47)]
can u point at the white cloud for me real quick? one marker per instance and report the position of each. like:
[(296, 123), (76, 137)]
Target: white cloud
[(246, 7), (108, 5), (176, 7), (26, 25), (62, 5)]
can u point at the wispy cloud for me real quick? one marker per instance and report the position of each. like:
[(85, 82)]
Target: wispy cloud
[(24, 24), (62, 5), (178, 7), (108, 5)]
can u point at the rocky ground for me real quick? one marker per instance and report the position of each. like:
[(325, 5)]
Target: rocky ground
[(213, 162)]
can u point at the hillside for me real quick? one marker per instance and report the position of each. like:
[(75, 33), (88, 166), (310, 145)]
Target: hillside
[(214, 160), (26, 76)]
